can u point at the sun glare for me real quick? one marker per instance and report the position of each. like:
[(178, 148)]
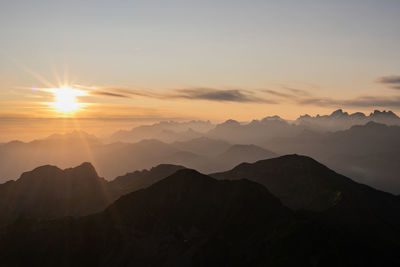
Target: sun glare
[(66, 99)]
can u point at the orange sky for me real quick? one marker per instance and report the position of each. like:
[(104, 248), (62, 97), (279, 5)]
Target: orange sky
[(141, 62)]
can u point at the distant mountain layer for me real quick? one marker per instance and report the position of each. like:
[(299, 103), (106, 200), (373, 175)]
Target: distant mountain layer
[(111, 160), (166, 131), (367, 153), (253, 132), (340, 120), (190, 219)]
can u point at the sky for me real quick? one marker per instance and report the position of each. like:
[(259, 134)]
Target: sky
[(137, 62)]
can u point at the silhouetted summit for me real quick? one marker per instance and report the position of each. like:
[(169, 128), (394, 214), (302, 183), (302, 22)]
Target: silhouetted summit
[(187, 219), (49, 192), (139, 179), (300, 182)]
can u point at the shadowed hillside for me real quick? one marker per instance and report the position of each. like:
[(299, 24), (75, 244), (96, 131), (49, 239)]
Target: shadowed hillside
[(48, 192), (190, 219)]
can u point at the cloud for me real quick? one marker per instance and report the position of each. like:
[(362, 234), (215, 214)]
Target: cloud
[(392, 81), (362, 101), (297, 91), (102, 93), (209, 94), (233, 95), (279, 94)]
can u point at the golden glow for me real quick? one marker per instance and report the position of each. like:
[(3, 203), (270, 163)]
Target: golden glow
[(66, 99)]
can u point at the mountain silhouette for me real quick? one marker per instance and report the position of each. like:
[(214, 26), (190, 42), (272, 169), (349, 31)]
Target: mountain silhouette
[(166, 131), (237, 154), (49, 192), (300, 182), (186, 219), (364, 152), (203, 146), (340, 120), (140, 179), (190, 219)]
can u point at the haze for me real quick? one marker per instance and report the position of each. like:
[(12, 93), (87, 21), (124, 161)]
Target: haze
[(213, 60), (200, 133)]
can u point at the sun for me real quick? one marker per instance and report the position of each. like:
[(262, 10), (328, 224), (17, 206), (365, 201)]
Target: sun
[(66, 99)]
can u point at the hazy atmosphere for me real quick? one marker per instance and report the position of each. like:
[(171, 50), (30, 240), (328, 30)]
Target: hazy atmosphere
[(200, 133), (130, 62)]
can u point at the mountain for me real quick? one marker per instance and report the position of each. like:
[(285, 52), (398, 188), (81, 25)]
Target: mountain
[(166, 131), (366, 153), (140, 179), (187, 219), (63, 150), (190, 219), (49, 192), (114, 159), (237, 154), (255, 132), (302, 183), (203, 146), (110, 160), (339, 120)]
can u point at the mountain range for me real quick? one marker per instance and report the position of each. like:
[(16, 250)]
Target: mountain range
[(284, 211), (253, 132), (48, 192), (111, 160), (365, 152)]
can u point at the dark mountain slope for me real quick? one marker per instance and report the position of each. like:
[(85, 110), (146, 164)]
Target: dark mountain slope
[(140, 179), (237, 154), (302, 183), (49, 192), (187, 219), (367, 153)]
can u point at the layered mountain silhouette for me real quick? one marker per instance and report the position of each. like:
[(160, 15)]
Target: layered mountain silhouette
[(340, 120), (190, 219), (237, 154), (140, 179), (48, 192), (366, 153), (111, 160), (203, 146), (255, 132), (166, 131), (302, 183)]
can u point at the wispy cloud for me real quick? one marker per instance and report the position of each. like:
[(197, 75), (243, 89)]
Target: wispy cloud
[(296, 91), (209, 94), (302, 97), (362, 101), (392, 81), (278, 94), (102, 93)]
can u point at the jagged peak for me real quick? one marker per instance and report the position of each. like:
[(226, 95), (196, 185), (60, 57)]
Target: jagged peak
[(338, 113), (388, 113), (84, 170), (231, 121)]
